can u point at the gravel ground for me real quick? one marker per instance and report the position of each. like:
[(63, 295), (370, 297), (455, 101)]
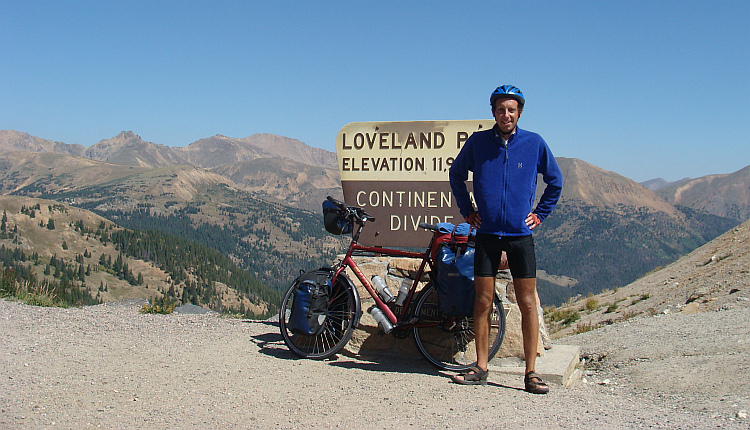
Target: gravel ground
[(109, 366)]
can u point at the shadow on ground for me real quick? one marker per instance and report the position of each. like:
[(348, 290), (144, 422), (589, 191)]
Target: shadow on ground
[(272, 344)]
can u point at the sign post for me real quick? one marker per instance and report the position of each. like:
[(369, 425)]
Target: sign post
[(398, 173)]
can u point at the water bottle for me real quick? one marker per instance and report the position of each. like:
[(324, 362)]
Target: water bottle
[(382, 320), (403, 291), (382, 289)]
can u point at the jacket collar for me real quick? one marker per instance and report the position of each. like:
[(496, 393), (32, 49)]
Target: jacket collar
[(496, 132)]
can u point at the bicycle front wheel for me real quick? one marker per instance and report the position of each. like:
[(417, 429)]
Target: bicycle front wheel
[(337, 328), (448, 342)]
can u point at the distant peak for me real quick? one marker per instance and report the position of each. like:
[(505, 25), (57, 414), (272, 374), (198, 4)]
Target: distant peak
[(127, 135)]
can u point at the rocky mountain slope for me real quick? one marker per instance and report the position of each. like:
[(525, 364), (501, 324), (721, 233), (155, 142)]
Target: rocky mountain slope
[(129, 149), (11, 140), (657, 183), (219, 150), (714, 277), (727, 195), (602, 188), (301, 174)]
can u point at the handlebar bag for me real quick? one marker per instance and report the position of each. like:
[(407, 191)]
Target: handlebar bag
[(310, 305), (335, 220), (455, 285)]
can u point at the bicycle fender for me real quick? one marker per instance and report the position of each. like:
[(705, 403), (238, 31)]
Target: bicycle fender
[(357, 303)]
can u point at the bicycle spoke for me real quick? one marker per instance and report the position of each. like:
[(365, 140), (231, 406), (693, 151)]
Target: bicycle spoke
[(336, 330), (449, 343)]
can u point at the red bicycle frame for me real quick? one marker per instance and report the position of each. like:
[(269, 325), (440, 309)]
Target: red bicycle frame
[(349, 262)]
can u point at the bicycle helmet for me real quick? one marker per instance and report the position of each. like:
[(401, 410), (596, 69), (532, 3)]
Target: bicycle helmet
[(508, 91)]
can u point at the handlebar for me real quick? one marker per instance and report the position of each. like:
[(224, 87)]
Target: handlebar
[(359, 214)]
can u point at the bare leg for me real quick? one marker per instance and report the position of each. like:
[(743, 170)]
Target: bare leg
[(526, 297), (485, 292)]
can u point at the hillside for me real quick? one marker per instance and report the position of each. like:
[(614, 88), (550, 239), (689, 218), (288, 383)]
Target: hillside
[(284, 181), (11, 140), (219, 150), (716, 276), (83, 252), (725, 195), (601, 188), (297, 165), (129, 149), (657, 183), (271, 241), (607, 231)]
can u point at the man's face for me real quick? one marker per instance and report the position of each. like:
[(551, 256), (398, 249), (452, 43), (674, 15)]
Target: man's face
[(506, 115)]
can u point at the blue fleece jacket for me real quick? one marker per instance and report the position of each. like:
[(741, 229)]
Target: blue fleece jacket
[(504, 180)]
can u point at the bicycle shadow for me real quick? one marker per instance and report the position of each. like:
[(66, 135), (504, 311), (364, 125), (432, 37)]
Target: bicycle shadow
[(272, 343), (386, 362)]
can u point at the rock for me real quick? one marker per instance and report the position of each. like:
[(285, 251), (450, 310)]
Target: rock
[(191, 309), (697, 294), (406, 268), (513, 342), (691, 308)]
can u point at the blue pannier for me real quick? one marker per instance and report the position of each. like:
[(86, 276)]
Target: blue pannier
[(310, 305), (455, 284)]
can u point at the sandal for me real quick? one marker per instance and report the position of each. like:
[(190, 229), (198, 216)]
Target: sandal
[(535, 384), (475, 376)]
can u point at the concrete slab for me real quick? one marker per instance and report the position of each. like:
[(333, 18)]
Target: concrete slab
[(557, 365)]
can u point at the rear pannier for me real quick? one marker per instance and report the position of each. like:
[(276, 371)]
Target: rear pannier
[(455, 261)]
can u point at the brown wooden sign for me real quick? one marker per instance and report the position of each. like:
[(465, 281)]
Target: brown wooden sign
[(398, 173)]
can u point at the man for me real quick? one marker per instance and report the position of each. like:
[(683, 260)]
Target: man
[(505, 161)]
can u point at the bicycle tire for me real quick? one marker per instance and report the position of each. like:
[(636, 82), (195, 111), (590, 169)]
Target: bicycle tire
[(337, 329), (452, 349)]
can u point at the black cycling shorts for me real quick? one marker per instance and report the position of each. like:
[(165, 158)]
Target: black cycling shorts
[(519, 249)]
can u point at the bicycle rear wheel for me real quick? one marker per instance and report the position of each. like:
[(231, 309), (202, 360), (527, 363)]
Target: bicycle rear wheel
[(448, 342), (337, 328)]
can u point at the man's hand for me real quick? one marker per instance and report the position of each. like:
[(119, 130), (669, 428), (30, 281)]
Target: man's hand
[(532, 220), (474, 219)]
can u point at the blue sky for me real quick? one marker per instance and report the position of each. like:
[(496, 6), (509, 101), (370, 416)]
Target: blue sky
[(643, 88)]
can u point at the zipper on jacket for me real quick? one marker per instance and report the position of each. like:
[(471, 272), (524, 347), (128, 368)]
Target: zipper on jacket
[(505, 185)]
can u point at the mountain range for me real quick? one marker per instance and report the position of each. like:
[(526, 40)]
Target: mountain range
[(257, 199)]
